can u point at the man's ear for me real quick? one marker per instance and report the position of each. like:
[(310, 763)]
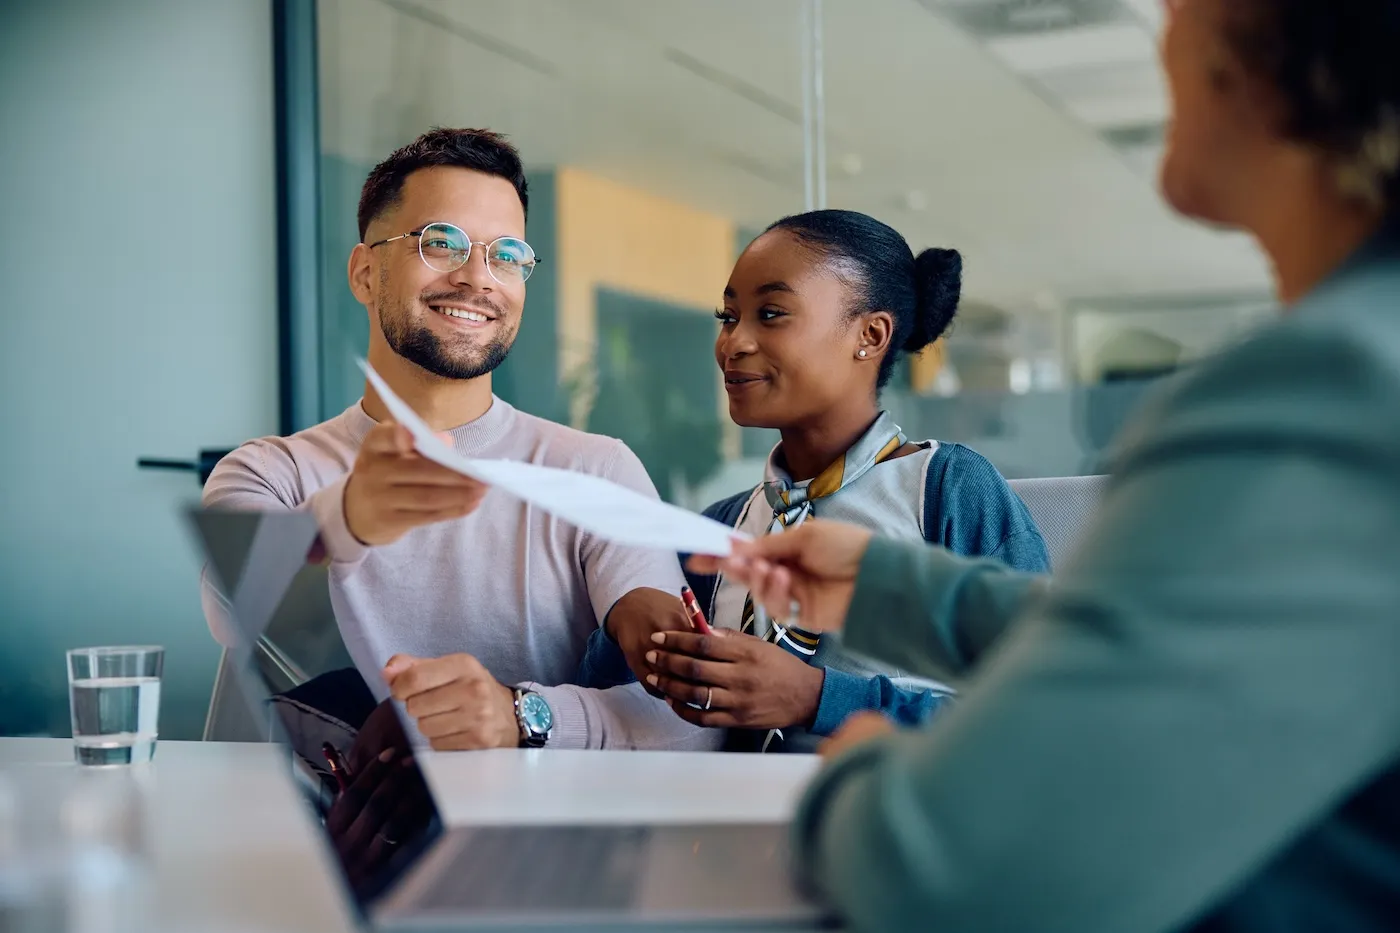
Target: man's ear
[(360, 272)]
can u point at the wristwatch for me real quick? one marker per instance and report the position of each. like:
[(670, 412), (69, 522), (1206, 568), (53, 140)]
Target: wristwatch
[(535, 718)]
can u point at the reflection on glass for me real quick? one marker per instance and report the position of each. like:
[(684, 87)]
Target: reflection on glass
[(661, 134), (385, 808), (374, 801)]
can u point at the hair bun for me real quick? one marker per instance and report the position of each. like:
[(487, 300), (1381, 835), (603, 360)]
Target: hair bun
[(938, 285)]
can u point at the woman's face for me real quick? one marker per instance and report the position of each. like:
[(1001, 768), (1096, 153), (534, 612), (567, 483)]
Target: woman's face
[(1219, 132), (786, 344)]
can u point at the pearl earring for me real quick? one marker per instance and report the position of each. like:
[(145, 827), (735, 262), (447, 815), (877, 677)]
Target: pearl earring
[(862, 354)]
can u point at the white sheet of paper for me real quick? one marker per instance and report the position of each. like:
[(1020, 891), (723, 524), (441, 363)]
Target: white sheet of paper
[(600, 506)]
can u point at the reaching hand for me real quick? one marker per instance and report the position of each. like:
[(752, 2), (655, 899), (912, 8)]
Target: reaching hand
[(456, 702), (393, 489), (812, 567)]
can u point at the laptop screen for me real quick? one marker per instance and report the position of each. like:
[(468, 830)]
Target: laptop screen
[(352, 758)]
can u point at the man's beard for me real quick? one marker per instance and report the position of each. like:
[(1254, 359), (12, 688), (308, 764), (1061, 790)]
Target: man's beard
[(416, 343)]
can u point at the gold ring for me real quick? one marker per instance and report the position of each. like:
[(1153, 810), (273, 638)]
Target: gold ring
[(709, 696)]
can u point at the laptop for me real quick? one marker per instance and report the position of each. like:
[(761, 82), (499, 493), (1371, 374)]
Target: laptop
[(404, 870)]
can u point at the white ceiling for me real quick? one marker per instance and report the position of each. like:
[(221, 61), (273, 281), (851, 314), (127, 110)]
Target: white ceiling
[(992, 147)]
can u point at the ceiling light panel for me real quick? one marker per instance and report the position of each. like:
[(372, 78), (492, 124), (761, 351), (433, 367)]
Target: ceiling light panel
[(1081, 47), (1140, 79), (1143, 134), (1143, 160), (1117, 110), (992, 19)]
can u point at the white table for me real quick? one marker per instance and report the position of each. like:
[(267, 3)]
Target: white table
[(235, 850)]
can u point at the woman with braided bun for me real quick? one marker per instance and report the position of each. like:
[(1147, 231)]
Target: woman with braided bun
[(816, 314)]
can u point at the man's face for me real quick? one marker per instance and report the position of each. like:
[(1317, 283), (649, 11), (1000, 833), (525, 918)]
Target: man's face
[(458, 324)]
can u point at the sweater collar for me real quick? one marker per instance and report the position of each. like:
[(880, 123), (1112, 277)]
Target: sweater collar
[(468, 439)]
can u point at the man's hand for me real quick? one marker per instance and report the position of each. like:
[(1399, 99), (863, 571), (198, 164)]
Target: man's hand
[(812, 567), (393, 489), (746, 682), (859, 729), (456, 702), (636, 617)]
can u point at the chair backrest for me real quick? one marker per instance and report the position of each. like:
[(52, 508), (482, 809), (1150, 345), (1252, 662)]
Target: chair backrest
[(230, 718), (1062, 507)]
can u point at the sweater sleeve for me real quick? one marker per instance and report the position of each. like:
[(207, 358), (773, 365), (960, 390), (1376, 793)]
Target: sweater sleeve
[(971, 510), (613, 570), (968, 509), (845, 694), (261, 476), (1208, 678), (927, 612)]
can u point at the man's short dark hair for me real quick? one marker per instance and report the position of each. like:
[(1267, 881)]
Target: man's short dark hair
[(479, 150)]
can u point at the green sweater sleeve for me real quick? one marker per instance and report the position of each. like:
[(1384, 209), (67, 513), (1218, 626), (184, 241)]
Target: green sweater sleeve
[(931, 612), (1206, 679)]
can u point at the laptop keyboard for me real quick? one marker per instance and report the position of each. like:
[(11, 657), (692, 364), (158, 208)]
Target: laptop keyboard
[(541, 868)]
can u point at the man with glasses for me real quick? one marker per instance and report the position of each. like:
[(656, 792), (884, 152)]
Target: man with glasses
[(473, 607)]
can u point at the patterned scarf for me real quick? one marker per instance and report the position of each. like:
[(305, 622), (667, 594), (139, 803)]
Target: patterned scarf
[(792, 505)]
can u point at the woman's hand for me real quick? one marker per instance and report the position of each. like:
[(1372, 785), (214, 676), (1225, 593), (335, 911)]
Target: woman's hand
[(813, 567), (738, 681)]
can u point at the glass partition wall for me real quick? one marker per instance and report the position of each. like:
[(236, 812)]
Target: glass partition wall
[(661, 135)]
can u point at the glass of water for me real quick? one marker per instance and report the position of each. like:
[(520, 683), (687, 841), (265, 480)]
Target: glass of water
[(115, 698)]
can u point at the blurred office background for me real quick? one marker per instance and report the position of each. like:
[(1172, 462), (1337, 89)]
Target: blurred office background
[(181, 180)]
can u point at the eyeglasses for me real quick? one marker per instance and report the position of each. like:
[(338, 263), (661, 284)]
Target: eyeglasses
[(446, 248)]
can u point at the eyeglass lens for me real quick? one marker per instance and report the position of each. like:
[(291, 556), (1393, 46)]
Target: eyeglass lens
[(446, 248)]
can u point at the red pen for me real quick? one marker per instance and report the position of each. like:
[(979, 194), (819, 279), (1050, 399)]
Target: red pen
[(339, 769), (692, 610)]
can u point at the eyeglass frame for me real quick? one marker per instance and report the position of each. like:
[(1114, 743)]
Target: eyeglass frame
[(534, 261)]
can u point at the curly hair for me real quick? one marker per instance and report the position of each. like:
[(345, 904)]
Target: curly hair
[(1336, 67)]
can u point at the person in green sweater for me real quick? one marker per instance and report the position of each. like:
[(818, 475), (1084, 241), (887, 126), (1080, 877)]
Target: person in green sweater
[(1195, 725)]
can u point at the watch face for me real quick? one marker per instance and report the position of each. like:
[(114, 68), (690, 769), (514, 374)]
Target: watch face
[(536, 713)]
